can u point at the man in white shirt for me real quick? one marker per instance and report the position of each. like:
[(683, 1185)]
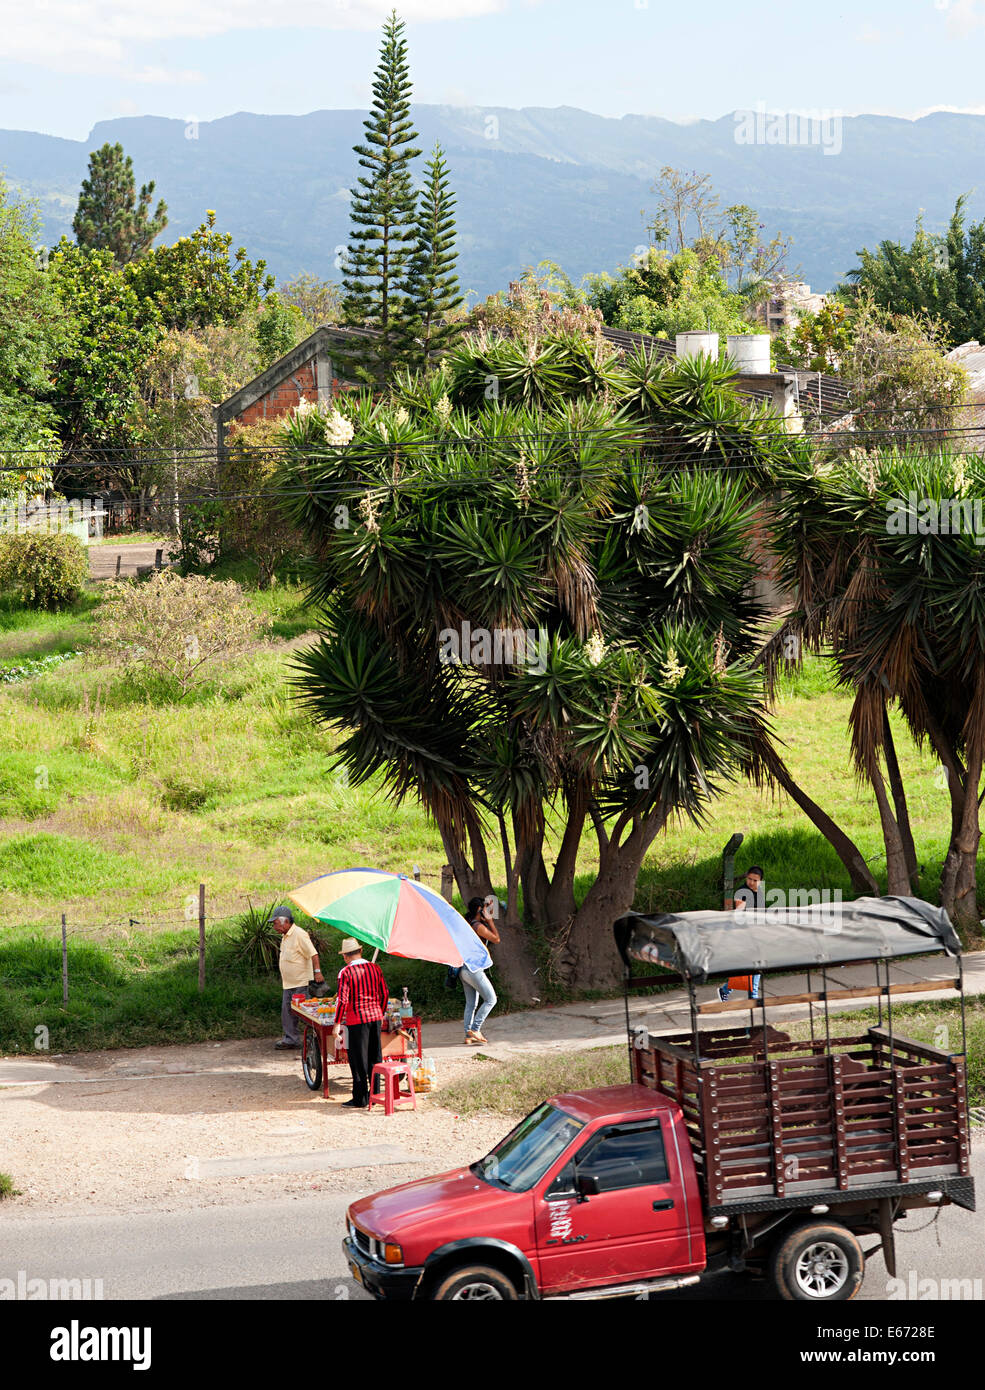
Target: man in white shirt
[(298, 962)]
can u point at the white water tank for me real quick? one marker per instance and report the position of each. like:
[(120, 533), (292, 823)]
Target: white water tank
[(750, 352), (697, 345)]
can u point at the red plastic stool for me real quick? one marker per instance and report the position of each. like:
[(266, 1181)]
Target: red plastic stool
[(392, 1096)]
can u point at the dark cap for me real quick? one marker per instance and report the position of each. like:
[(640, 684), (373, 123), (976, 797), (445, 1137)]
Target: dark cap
[(281, 912)]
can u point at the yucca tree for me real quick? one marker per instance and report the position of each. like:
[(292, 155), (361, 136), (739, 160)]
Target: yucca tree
[(895, 589), (457, 518)]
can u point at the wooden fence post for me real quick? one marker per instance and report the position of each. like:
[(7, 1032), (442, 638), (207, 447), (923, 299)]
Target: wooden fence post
[(447, 882), (64, 963), (201, 937)]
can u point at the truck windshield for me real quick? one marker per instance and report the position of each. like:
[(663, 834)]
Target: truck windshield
[(529, 1150)]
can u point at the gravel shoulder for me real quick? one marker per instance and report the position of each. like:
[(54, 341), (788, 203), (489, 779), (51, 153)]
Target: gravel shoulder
[(123, 1141)]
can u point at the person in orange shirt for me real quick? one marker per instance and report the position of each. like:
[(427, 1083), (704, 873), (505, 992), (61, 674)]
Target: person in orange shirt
[(751, 897)]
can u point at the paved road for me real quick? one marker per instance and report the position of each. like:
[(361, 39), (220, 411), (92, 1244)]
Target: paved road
[(102, 559), (290, 1248)]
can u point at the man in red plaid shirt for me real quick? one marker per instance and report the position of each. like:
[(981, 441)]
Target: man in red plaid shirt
[(361, 1006)]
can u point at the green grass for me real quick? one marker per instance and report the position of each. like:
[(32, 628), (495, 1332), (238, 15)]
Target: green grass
[(514, 1088), (142, 988), (7, 1188), (132, 538), (115, 805)]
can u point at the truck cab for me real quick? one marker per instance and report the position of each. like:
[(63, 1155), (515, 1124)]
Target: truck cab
[(593, 1192)]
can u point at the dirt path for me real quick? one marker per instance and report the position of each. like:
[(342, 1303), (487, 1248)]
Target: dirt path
[(103, 558)]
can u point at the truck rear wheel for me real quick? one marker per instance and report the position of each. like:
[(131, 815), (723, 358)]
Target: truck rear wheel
[(818, 1263), (477, 1283)]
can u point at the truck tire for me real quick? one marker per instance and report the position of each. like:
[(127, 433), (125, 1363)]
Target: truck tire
[(817, 1263), (475, 1282)]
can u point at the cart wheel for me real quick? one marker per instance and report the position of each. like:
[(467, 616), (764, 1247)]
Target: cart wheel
[(311, 1059)]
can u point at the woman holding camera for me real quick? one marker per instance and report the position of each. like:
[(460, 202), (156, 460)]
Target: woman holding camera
[(480, 997)]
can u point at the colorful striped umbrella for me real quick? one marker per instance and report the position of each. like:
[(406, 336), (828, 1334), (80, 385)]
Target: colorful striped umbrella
[(395, 913)]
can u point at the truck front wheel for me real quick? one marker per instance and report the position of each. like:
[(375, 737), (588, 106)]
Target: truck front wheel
[(475, 1282), (818, 1264)]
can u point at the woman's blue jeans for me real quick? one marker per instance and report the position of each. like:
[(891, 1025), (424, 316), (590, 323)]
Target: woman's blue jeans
[(480, 998)]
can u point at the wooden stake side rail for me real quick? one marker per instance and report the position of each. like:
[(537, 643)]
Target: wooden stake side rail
[(821, 996), (878, 1108)]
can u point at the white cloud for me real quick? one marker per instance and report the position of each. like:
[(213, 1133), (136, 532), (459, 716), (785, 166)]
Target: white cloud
[(963, 16), (870, 35), (96, 36), (164, 76)]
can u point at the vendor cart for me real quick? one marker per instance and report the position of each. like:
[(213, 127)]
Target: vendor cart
[(320, 1049)]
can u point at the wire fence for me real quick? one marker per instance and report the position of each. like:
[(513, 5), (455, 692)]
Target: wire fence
[(197, 910)]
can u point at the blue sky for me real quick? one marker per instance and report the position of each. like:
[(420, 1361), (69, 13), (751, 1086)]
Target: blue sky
[(70, 63)]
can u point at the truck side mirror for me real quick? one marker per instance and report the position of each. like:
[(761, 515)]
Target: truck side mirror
[(587, 1185)]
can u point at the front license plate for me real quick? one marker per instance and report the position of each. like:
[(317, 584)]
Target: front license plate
[(357, 1273)]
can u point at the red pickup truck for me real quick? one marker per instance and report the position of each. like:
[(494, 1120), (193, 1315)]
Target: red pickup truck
[(733, 1148), (591, 1189)]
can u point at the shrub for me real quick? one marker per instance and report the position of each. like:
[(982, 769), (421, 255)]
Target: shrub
[(49, 571), (257, 943), (7, 1188), (173, 627), (253, 523)]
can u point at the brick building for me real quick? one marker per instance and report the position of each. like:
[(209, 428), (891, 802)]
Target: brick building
[(311, 372)]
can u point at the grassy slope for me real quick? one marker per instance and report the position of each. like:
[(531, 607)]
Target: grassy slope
[(113, 808)]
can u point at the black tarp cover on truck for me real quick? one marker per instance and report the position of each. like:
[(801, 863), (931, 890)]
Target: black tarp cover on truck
[(700, 944)]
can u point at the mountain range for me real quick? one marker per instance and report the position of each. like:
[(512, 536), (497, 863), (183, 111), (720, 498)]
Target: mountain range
[(533, 184)]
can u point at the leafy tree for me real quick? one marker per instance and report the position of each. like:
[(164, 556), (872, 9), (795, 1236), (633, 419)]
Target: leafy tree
[(383, 210), (688, 216), (751, 265), (542, 301), (882, 552), (33, 327), (110, 216), (900, 380), (320, 301), (280, 327), (97, 369), (195, 282), (938, 276), (668, 294), (432, 283), (607, 509), (819, 342)]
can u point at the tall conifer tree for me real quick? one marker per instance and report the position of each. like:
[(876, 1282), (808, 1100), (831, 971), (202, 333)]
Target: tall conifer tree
[(432, 285), (110, 216), (384, 208)]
